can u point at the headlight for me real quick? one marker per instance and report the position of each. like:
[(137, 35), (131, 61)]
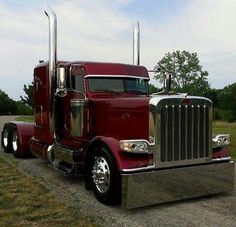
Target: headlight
[(220, 140), (134, 146)]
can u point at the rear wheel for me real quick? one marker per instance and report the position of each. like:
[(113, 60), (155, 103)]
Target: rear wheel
[(15, 144), (105, 179), (7, 139)]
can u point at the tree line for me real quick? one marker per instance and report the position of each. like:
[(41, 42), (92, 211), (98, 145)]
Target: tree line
[(9, 106)]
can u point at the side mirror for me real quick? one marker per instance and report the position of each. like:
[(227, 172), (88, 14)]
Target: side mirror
[(61, 82)]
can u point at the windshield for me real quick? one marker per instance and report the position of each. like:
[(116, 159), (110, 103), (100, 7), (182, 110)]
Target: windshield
[(131, 85)]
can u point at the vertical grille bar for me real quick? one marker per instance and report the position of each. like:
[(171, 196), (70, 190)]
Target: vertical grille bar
[(186, 131), (179, 132), (173, 132), (183, 135), (192, 124), (204, 129), (170, 134), (189, 131), (202, 133), (163, 136), (198, 131), (207, 133), (176, 134), (167, 132)]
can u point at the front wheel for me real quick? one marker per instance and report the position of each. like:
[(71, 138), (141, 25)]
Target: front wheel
[(105, 178)]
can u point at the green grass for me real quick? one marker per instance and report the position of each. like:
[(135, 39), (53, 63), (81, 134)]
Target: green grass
[(26, 202), (228, 128), (25, 118)]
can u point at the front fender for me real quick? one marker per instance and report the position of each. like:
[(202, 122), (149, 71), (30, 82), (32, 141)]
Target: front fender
[(123, 160)]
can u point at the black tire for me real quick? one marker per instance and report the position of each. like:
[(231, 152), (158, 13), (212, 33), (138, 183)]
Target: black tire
[(15, 143), (108, 190), (7, 139)]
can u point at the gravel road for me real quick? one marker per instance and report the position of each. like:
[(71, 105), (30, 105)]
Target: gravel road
[(219, 210)]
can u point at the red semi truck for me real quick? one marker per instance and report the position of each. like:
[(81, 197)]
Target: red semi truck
[(98, 120)]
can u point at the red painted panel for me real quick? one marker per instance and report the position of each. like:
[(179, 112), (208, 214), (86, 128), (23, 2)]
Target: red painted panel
[(220, 152), (38, 148), (42, 101), (114, 69), (120, 118)]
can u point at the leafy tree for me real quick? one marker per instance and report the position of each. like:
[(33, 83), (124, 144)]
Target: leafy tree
[(213, 95), (152, 88), (8, 106), (28, 98), (186, 72), (227, 102), (22, 109)]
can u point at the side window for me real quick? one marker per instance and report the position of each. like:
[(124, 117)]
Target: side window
[(77, 83), (77, 79)]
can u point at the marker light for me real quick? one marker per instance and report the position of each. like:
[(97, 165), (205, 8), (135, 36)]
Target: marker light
[(220, 140)]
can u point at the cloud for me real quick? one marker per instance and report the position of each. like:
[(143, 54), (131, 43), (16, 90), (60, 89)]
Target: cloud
[(205, 27), (102, 32)]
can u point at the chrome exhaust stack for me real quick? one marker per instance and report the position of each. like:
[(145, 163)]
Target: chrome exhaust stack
[(52, 19), (136, 43)]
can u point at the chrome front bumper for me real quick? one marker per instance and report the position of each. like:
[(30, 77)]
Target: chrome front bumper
[(160, 186)]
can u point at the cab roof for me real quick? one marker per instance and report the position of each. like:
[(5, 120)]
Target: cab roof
[(97, 69)]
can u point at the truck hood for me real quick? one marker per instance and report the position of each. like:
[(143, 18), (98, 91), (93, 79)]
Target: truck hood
[(120, 118)]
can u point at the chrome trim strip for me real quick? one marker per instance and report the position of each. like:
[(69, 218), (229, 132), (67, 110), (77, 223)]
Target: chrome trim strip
[(122, 76), (138, 169), (136, 140), (157, 98), (221, 159), (153, 166)]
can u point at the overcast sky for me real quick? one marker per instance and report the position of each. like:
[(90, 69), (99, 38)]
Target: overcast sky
[(102, 31)]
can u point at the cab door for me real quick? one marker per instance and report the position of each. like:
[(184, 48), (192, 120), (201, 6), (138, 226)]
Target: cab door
[(75, 111)]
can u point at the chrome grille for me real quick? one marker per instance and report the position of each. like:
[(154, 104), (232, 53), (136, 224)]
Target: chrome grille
[(184, 132)]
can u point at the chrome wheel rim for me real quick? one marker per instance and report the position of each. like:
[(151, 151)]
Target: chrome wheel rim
[(101, 174), (5, 140), (14, 141)]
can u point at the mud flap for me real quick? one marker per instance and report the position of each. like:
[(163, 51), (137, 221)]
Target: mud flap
[(160, 186)]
